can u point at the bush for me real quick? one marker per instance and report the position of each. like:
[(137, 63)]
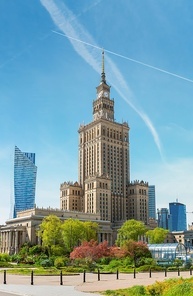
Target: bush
[(46, 263), (61, 262), (36, 250), (104, 260), (185, 289), (5, 258)]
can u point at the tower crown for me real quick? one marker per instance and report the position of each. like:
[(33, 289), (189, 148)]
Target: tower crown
[(103, 78), (103, 106)]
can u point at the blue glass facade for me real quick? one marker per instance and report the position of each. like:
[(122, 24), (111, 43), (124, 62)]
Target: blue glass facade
[(152, 206), (177, 216), (163, 216), (25, 172)]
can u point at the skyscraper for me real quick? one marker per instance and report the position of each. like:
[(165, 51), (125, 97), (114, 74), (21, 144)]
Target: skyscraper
[(163, 218), (25, 173), (177, 216), (104, 185), (152, 202), (104, 168)]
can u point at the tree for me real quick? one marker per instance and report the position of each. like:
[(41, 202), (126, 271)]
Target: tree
[(74, 232), (130, 230), (91, 251), (90, 230), (157, 235), (51, 232), (136, 250)]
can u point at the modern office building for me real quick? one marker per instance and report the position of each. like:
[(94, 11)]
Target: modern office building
[(104, 167), (25, 172), (177, 217), (163, 216), (152, 202)]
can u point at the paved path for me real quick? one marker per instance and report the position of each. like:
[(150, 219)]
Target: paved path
[(73, 285)]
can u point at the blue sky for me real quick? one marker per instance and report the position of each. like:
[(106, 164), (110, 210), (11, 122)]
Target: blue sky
[(48, 83)]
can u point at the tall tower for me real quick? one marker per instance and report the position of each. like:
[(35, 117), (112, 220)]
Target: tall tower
[(104, 167), (152, 202), (24, 180), (177, 216)]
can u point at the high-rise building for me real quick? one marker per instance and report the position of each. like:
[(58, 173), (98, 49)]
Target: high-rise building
[(152, 202), (138, 201), (163, 218), (25, 172), (177, 216), (104, 166), (104, 158)]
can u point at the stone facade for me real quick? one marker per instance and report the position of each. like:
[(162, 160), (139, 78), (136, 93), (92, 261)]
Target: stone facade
[(138, 201), (23, 229), (103, 185)]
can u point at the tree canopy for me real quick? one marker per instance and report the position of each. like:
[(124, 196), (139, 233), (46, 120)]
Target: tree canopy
[(50, 232), (136, 250), (130, 230), (67, 235), (157, 235)]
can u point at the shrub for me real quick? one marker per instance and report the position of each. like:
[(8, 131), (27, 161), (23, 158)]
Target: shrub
[(36, 250), (61, 262), (155, 289), (46, 263), (185, 289), (104, 260), (5, 258)]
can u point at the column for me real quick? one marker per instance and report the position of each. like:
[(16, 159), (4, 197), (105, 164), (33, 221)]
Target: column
[(16, 242)]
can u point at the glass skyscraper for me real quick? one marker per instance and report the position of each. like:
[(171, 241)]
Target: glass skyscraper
[(152, 206), (25, 172), (177, 216), (163, 218)]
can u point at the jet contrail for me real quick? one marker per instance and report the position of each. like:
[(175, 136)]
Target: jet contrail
[(124, 57), (65, 20)]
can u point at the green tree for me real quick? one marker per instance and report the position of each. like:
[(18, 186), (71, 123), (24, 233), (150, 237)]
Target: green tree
[(51, 232), (130, 230), (137, 251), (74, 232), (157, 235), (90, 231)]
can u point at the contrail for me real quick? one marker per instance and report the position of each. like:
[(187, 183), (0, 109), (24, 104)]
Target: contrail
[(67, 23), (124, 57)]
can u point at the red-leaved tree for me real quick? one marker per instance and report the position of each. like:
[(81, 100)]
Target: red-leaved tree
[(91, 251)]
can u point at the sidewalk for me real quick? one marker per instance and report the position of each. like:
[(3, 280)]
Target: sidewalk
[(74, 285)]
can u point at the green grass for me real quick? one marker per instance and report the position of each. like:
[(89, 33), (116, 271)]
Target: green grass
[(40, 271)]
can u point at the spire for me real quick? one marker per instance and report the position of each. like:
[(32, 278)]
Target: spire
[(103, 79)]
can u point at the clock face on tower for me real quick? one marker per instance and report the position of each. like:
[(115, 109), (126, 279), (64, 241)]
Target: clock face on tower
[(106, 94)]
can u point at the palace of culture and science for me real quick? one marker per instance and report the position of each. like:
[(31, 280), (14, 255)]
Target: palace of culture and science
[(103, 193), (104, 185)]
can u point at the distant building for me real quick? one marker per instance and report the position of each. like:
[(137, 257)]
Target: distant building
[(177, 220), (163, 216), (152, 202), (138, 201), (25, 172)]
